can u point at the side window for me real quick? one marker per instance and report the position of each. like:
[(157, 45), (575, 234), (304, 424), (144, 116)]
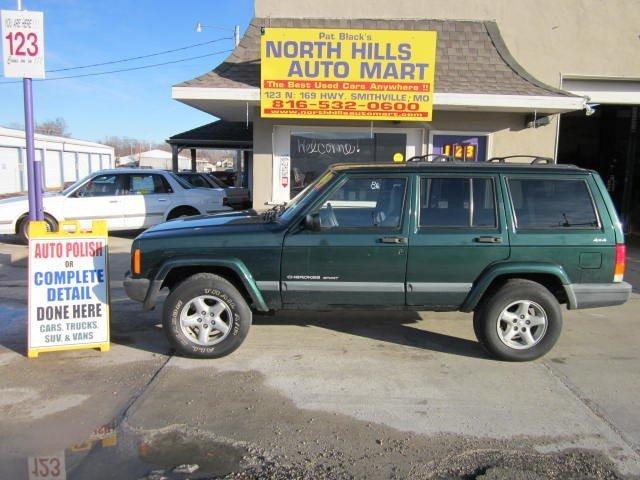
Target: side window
[(484, 203), (161, 184), (457, 203), (539, 203), (365, 203), (100, 186), (197, 181), (147, 184)]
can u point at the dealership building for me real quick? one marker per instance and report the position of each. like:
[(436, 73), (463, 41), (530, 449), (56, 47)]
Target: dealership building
[(511, 77)]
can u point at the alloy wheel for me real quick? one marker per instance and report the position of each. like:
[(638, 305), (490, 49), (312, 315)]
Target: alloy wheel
[(522, 324), (206, 320)]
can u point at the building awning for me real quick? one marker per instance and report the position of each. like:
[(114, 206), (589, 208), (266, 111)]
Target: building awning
[(220, 134), (475, 71)]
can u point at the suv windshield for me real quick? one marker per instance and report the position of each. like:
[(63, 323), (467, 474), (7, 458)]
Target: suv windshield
[(306, 196)]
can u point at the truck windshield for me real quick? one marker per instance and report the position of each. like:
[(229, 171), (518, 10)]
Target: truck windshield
[(305, 197)]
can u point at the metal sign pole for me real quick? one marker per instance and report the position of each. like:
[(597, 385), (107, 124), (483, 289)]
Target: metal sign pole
[(34, 168)]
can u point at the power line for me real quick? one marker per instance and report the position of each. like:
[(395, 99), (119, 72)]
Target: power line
[(123, 69), (141, 56)]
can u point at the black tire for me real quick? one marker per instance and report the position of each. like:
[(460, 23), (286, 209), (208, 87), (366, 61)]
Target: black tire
[(238, 317), (182, 212), (486, 318), (23, 225)]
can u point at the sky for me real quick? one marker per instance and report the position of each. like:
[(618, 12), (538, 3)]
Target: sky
[(135, 104)]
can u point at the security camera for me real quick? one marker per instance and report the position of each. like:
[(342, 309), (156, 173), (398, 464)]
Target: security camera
[(589, 109)]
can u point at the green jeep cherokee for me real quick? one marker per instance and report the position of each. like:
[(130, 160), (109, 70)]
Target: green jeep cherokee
[(509, 242)]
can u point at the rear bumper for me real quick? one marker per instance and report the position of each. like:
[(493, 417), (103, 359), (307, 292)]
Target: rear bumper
[(591, 295), (136, 288)]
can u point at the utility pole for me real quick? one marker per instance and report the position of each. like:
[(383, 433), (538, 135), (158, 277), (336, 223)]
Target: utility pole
[(236, 35)]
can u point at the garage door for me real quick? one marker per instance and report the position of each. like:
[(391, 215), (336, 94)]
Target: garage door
[(69, 167), (53, 169), (83, 165), (10, 170)]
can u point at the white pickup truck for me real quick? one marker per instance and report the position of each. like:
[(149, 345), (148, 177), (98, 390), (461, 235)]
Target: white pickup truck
[(128, 198)]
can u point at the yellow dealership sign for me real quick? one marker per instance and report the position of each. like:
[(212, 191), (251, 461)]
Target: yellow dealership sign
[(347, 74)]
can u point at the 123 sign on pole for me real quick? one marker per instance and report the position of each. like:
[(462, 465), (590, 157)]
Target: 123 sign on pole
[(22, 43)]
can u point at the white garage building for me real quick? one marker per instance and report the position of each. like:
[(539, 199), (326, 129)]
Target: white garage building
[(64, 159)]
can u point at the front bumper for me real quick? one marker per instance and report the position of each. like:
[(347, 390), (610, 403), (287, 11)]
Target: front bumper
[(136, 288), (591, 295)]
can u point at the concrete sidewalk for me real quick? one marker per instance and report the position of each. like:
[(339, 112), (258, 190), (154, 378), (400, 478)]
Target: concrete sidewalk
[(322, 395)]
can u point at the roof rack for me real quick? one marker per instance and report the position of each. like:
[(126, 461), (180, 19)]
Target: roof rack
[(536, 159), (432, 157)]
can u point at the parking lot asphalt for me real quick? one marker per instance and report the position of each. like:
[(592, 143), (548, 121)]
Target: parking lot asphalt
[(321, 395)]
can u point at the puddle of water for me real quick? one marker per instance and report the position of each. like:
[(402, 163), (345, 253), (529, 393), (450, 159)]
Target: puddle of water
[(112, 452), (174, 448)]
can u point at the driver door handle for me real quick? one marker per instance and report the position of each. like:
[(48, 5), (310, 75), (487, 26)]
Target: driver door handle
[(394, 240), (488, 239)]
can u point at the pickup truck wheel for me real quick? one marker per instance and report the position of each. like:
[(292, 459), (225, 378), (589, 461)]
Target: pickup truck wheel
[(521, 321), (205, 316)]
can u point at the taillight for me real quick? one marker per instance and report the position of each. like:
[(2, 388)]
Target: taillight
[(621, 254), (135, 262)]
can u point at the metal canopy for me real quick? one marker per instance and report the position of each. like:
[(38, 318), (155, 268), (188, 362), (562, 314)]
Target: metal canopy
[(219, 134)]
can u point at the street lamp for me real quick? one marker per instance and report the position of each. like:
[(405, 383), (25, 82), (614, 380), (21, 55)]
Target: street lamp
[(236, 30)]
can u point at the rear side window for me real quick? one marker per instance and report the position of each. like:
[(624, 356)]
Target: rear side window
[(457, 202), (548, 203), (147, 184), (196, 181)]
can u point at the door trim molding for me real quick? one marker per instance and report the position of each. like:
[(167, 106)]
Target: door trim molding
[(268, 285), (323, 286), (438, 287)]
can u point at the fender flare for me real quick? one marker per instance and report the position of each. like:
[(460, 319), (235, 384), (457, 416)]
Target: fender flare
[(234, 264), (514, 268)]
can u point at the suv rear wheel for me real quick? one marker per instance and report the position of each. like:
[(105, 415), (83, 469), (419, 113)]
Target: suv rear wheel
[(520, 321), (205, 316)]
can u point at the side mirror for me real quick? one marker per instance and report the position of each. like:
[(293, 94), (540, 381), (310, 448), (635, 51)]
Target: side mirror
[(312, 222)]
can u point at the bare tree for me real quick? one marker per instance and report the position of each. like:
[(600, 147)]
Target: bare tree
[(57, 126)]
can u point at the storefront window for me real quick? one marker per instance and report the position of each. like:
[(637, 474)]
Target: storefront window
[(313, 152)]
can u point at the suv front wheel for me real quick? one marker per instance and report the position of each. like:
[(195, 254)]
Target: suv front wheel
[(205, 316), (520, 321)]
